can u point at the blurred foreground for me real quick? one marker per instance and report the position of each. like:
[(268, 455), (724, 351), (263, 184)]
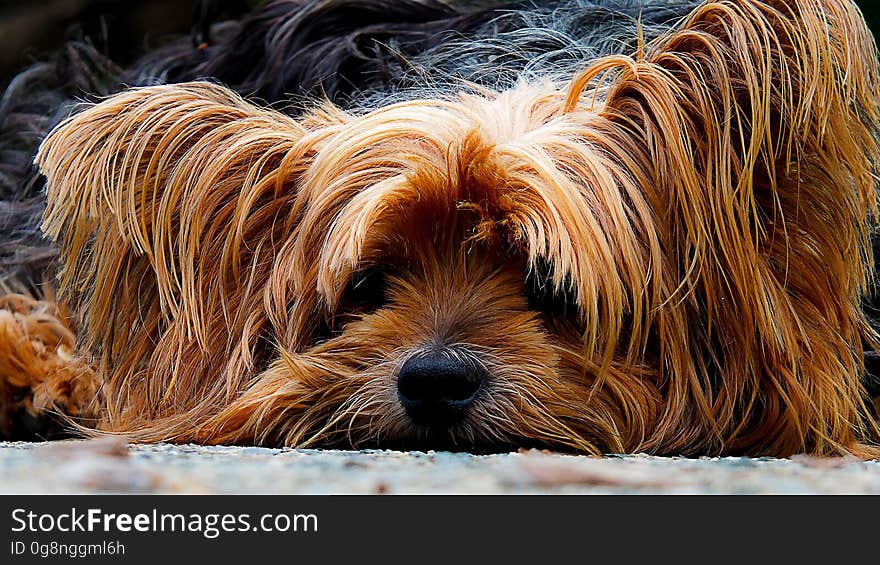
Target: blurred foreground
[(112, 466)]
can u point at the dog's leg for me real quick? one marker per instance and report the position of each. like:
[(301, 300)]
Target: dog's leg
[(44, 387), (293, 402)]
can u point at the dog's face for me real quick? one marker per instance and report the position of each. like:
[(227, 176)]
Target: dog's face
[(447, 347), (464, 295), (450, 343)]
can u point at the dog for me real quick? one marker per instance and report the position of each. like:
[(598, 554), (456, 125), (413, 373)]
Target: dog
[(595, 227)]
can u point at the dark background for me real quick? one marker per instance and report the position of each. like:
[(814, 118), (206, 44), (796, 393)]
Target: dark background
[(122, 29), (30, 29)]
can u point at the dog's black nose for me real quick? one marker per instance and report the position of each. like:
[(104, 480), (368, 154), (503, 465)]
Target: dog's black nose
[(436, 388)]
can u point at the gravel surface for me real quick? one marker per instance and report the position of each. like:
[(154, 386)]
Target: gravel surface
[(110, 465)]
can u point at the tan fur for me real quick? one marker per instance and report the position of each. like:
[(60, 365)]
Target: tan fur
[(39, 374), (708, 201)]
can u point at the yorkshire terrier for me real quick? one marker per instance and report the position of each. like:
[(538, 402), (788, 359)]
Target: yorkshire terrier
[(588, 226)]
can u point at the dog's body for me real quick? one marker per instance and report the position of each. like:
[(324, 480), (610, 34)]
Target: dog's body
[(593, 227)]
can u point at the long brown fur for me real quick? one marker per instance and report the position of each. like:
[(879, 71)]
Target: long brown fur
[(708, 201), (42, 383)]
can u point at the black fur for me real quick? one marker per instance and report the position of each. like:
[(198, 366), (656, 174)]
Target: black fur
[(346, 50), (35, 100)]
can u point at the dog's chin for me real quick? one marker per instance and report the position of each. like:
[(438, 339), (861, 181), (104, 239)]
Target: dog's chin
[(466, 437)]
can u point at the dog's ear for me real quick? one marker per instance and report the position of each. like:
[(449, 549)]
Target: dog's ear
[(169, 204), (752, 128)]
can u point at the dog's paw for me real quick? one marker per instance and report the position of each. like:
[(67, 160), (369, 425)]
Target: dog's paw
[(44, 387)]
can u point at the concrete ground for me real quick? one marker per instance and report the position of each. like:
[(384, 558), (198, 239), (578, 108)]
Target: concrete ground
[(109, 465)]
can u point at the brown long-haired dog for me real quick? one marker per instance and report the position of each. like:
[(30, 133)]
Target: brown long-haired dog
[(666, 252)]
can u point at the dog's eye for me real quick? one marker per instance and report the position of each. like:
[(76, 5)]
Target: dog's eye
[(544, 298), (367, 290)]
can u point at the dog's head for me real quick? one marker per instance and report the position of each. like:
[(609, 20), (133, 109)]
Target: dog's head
[(664, 254), (452, 268)]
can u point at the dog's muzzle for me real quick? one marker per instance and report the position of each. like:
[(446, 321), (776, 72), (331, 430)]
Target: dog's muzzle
[(436, 387)]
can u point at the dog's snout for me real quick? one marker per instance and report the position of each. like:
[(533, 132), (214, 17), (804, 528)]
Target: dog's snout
[(436, 388)]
